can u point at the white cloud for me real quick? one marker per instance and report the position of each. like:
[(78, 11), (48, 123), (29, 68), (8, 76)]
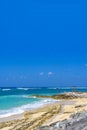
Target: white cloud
[(7, 79), (50, 73), (86, 65), (23, 77), (41, 73)]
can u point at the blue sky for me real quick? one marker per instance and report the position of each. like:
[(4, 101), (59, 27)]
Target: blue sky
[(43, 43)]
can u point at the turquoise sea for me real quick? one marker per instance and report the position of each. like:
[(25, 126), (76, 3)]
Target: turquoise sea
[(17, 100)]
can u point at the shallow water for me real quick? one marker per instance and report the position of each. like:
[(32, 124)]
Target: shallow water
[(14, 100)]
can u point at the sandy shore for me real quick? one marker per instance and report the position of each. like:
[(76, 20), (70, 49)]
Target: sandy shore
[(10, 118), (67, 109), (44, 116), (32, 119)]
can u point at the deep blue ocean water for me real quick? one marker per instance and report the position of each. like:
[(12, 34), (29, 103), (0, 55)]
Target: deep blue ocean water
[(14, 100)]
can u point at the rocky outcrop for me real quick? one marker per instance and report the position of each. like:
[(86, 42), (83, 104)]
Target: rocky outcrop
[(78, 121), (71, 95)]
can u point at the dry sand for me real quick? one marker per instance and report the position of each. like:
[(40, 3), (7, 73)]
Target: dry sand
[(77, 106)]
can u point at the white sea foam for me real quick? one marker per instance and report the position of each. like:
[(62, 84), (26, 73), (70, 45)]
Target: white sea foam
[(23, 88), (28, 96), (21, 109), (52, 88), (34, 88), (27, 88), (6, 89)]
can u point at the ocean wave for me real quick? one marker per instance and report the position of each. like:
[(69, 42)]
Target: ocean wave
[(28, 96), (27, 88), (52, 88), (6, 89), (21, 109), (35, 88), (23, 89)]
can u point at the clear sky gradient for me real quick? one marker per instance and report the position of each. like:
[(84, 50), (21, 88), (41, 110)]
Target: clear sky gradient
[(43, 43)]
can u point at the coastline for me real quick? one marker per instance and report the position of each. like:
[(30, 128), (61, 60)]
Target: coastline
[(32, 116), (46, 115)]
